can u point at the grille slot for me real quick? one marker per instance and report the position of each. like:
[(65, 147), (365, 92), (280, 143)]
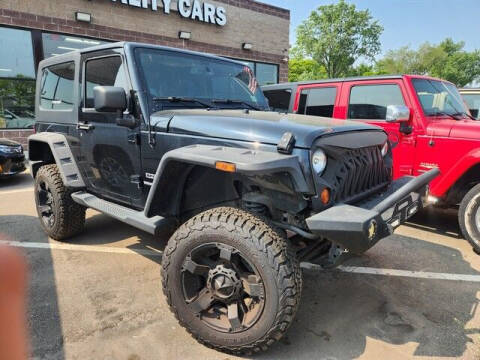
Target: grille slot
[(357, 171)]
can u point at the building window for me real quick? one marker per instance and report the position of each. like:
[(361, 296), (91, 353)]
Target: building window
[(17, 79), (57, 87), (370, 102), (56, 44), (266, 73)]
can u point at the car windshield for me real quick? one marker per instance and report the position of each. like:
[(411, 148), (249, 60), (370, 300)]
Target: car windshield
[(181, 80), (439, 98), (473, 104)]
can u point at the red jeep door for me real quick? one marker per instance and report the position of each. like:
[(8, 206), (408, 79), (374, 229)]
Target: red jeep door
[(368, 101)]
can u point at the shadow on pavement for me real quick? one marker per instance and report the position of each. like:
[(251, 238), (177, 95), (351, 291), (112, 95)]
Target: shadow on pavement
[(338, 315), (438, 221), (44, 319), (16, 182)]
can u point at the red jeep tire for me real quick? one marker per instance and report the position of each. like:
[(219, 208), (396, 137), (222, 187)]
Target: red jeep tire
[(469, 217)]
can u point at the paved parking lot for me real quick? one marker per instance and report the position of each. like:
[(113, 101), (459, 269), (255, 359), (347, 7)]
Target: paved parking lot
[(415, 294)]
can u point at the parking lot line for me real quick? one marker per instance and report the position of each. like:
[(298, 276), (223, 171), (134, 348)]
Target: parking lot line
[(16, 191), (346, 269)]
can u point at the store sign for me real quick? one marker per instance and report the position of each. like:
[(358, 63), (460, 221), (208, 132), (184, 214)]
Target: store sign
[(190, 9)]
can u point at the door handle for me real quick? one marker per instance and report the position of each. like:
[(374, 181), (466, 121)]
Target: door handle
[(85, 126)]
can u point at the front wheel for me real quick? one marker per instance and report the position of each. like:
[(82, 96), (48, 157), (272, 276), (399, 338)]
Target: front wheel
[(469, 217), (231, 281), (60, 217)]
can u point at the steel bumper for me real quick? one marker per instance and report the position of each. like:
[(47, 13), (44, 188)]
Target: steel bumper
[(358, 227)]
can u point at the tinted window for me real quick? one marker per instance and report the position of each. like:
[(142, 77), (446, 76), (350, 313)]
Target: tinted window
[(371, 101), (104, 72), (279, 100), (320, 101), (57, 87)]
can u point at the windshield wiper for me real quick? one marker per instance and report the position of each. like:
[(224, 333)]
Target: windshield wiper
[(239, 102), (182, 99), (464, 114), (443, 113)]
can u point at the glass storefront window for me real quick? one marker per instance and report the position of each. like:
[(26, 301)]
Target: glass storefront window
[(56, 44), (17, 79), (266, 73)]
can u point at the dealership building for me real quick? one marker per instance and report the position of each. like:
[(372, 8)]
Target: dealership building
[(30, 31)]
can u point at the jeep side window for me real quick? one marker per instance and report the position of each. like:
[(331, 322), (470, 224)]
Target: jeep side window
[(371, 101), (57, 87), (318, 102), (106, 71), (279, 100)]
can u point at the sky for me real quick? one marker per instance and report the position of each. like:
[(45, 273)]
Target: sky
[(406, 22)]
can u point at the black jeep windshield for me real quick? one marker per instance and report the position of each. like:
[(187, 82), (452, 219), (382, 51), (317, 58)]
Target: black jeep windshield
[(439, 98), (182, 80)]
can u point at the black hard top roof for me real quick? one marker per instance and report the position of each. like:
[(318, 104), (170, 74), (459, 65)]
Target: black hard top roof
[(123, 44)]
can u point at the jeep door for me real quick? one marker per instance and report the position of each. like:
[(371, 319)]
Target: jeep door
[(368, 100), (110, 152)]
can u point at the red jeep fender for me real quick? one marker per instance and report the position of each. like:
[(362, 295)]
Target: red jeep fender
[(444, 182)]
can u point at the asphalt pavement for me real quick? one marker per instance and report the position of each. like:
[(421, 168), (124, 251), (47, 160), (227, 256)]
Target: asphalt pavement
[(415, 294)]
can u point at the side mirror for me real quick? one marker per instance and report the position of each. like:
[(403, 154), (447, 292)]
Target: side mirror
[(109, 99), (397, 113)]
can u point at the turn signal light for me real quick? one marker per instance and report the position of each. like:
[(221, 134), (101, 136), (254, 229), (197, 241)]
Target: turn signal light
[(225, 166), (325, 196)]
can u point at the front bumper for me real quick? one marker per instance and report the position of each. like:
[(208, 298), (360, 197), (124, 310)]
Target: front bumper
[(357, 228), (12, 165)]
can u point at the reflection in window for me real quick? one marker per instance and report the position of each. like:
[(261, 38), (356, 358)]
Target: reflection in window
[(17, 100), (371, 101), (16, 60), (17, 79), (473, 103), (56, 44), (104, 72), (57, 87)]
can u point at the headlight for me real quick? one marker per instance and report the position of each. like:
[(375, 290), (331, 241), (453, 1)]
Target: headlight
[(319, 161), (11, 149), (385, 149)]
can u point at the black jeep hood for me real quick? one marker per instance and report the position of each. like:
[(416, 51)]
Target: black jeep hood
[(257, 126)]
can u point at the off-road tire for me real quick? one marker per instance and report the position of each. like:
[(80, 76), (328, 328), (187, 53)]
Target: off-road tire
[(466, 217), (269, 252), (69, 216)]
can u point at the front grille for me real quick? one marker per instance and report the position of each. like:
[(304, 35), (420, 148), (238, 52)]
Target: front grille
[(356, 172)]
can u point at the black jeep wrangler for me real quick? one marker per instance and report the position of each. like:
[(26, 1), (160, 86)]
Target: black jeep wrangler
[(171, 140)]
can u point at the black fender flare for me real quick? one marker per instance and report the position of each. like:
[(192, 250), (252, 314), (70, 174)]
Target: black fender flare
[(247, 162), (62, 155)]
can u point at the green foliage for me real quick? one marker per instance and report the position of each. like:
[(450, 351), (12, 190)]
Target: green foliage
[(305, 69), (447, 60), (336, 35)]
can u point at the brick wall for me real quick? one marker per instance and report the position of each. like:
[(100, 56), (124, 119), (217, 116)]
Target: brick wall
[(17, 135)]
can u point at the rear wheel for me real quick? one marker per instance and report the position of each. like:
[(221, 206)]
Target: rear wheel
[(231, 281), (469, 217), (59, 215)]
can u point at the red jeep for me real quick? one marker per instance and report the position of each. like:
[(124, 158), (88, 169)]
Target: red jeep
[(428, 124)]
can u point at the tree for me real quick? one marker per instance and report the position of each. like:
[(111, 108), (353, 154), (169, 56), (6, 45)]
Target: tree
[(447, 60), (337, 35), (305, 69)]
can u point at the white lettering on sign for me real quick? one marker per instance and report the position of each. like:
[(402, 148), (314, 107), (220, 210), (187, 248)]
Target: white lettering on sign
[(195, 10)]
